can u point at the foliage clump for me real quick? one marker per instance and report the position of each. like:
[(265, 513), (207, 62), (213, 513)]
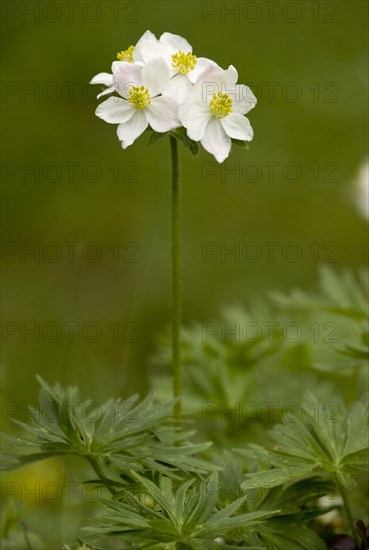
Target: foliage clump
[(293, 479)]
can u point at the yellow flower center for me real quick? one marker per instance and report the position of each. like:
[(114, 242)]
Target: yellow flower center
[(221, 105), (139, 97), (126, 55), (183, 62)]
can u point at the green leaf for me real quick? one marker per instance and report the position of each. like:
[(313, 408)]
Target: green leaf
[(126, 436), (181, 135), (318, 444), (188, 517), (240, 143), (154, 137)]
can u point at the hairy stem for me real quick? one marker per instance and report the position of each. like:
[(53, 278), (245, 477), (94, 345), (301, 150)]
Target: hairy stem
[(176, 280)]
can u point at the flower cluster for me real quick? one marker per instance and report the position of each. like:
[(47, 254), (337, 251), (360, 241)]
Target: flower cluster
[(161, 84)]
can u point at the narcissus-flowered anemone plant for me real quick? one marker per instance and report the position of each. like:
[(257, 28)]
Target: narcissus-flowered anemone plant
[(161, 84)]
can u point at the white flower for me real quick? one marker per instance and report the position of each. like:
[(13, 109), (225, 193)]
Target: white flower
[(184, 67), (130, 55), (213, 113), (140, 103), (327, 503)]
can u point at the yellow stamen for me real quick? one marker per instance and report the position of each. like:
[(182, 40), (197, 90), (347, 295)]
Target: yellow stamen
[(221, 105), (139, 97), (126, 55), (183, 62)]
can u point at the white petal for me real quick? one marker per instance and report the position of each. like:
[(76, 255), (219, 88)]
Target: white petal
[(231, 76), (201, 65), (243, 100), (214, 80), (155, 76), (162, 114), (102, 78), (195, 118), (125, 75), (179, 88), (216, 141), (172, 70), (151, 50), (148, 36), (175, 43), (237, 127), (208, 83), (115, 110), (107, 91), (132, 129), (211, 72)]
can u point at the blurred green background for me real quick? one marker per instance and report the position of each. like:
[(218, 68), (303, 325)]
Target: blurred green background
[(312, 54)]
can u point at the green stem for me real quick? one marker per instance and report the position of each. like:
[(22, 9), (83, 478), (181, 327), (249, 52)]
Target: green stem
[(176, 280), (96, 467), (347, 508)]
